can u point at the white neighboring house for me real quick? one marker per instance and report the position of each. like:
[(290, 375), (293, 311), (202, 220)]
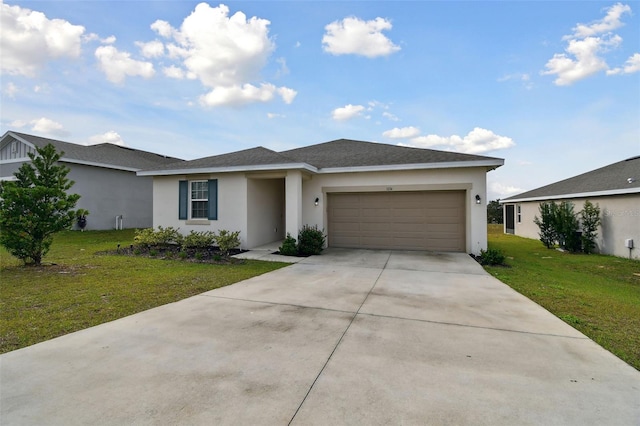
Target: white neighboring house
[(104, 174), (615, 188), (363, 194)]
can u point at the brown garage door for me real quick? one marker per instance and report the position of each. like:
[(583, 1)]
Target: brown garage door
[(429, 220)]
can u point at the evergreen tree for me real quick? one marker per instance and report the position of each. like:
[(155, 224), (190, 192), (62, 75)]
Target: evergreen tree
[(36, 206)]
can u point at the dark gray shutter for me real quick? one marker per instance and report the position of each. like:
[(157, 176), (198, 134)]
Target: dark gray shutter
[(213, 199), (183, 200)]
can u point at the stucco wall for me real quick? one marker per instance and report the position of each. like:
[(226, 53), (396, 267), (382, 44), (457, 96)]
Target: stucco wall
[(265, 215), (472, 180), (107, 193), (620, 220), (232, 204)]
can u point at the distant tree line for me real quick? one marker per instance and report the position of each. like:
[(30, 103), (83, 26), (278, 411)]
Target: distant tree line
[(495, 213)]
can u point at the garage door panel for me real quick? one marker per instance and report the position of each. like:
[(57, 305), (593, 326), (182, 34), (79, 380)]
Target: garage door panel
[(432, 220)]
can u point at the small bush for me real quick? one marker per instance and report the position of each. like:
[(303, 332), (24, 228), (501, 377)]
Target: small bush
[(227, 241), (310, 241), (199, 240), (491, 257), (547, 223), (163, 236), (590, 218), (289, 246), (567, 227), (183, 255)]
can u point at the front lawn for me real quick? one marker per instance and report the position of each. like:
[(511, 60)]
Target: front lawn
[(82, 289), (598, 295)]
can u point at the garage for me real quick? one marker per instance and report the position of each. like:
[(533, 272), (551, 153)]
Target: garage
[(424, 220)]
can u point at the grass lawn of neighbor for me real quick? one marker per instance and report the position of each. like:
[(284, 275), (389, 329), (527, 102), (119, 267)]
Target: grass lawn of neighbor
[(77, 288), (596, 294)]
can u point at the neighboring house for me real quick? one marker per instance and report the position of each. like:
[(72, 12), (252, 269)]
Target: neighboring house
[(363, 194), (615, 188), (105, 177)]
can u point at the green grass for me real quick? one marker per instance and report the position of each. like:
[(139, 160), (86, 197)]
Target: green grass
[(77, 288), (598, 295)]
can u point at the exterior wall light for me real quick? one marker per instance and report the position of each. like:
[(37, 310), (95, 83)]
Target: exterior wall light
[(317, 201), (478, 199)]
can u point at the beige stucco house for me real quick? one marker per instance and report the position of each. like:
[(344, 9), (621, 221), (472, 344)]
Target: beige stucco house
[(363, 194), (615, 188)]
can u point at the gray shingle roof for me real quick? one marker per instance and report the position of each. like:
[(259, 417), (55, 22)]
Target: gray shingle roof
[(104, 154), (351, 153), (340, 153), (609, 178)]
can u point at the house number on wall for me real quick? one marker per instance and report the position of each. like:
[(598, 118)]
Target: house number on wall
[(389, 188)]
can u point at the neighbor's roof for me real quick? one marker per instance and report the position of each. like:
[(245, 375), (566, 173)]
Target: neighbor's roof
[(622, 177), (102, 155), (330, 157)]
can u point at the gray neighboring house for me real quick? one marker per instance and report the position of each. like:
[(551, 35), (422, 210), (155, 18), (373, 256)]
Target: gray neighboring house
[(104, 175), (615, 188)]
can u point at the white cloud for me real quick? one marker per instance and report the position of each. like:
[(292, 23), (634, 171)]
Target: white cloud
[(502, 191), (632, 65), (152, 49), (584, 54), (609, 23), (174, 72), (118, 65), (390, 116), (586, 63), (241, 95), (48, 127), (477, 141), (30, 39), (18, 124), (358, 37), (226, 53), (108, 137), (272, 115), (402, 132), (347, 112), (109, 40)]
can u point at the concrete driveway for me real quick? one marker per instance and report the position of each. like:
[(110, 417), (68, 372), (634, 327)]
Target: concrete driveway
[(349, 337)]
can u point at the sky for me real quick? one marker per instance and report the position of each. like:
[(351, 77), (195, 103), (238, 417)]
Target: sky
[(553, 88)]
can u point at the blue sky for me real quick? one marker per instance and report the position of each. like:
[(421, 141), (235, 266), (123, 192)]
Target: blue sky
[(551, 87)]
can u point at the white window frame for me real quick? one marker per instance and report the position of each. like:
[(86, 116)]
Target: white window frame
[(192, 200)]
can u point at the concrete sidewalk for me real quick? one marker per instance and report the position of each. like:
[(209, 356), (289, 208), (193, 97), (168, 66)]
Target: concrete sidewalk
[(349, 337)]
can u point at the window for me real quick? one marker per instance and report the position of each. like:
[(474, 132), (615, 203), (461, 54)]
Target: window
[(198, 199), (518, 209)]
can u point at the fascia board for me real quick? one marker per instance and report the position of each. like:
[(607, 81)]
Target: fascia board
[(574, 195), (420, 166), (233, 169)]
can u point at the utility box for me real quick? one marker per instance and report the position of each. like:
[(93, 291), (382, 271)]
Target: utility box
[(628, 243)]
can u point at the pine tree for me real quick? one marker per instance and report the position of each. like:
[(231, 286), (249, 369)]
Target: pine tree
[(36, 205)]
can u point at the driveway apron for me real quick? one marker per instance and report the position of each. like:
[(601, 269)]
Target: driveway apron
[(348, 337)]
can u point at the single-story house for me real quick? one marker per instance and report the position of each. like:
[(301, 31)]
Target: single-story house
[(615, 188), (362, 194), (104, 174)]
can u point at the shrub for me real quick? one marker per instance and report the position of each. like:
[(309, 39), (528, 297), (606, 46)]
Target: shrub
[(163, 236), (227, 241), (310, 241), (199, 240), (289, 246), (590, 218), (491, 257), (547, 223), (567, 227)]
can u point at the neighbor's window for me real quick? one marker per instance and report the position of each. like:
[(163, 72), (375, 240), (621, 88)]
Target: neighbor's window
[(199, 199), (518, 209)]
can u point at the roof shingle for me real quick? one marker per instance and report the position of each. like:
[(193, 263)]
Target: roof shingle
[(613, 177)]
